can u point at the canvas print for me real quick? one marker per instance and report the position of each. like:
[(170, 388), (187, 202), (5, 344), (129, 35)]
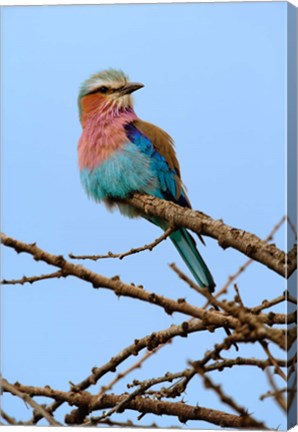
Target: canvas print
[(149, 216)]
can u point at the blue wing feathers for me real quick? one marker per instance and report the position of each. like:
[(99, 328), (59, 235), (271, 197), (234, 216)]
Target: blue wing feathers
[(165, 175), (186, 247), (166, 188)]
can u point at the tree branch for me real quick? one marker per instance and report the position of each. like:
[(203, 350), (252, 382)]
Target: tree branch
[(10, 388), (132, 251), (31, 279), (141, 404), (116, 285), (209, 384), (244, 266), (245, 242), (136, 365), (120, 288)]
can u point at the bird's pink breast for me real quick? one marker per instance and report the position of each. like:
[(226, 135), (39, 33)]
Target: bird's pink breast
[(102, 136)]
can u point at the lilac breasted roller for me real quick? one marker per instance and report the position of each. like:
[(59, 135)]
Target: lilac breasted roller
[(120, 154)]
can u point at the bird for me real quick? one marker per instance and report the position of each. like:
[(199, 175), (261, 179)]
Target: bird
[(120, 154)]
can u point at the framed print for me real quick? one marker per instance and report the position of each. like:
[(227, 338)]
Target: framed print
[(149, 222)]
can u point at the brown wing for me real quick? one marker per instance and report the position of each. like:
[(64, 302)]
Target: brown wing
[(164, 144), (161, 141)]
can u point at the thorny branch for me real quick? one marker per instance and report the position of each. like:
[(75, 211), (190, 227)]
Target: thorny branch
[(245, 242), (32, 279), (244, 266), (141, 404), (122, 289), (136, 365), (6, 386), (133, 251), (221, 394), (257, 325), (277, 394)]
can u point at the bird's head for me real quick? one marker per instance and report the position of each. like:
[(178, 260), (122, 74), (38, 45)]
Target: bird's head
[(105, 91)]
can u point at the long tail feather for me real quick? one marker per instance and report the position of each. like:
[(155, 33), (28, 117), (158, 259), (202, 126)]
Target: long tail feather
[(186, 247)]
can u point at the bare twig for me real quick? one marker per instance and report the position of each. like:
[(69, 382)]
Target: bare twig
[(268, 304), (122, 255), (223, 397), (32, 279), (244, 266), (238, 298), (231, 279), (7, 418), (273, 360), (6, 386), (277, 394), (167, 377), (241, 361), (123, 374), (271, 393)]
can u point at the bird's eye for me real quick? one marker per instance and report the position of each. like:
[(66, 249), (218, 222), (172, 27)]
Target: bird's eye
[(103, 89)]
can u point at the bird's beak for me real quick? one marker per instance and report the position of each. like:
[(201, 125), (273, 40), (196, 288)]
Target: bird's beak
[(130, 88)]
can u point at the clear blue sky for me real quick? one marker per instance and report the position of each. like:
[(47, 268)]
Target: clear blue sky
[(215, 79)]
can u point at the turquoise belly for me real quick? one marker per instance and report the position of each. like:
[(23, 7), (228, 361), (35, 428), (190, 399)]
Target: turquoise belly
[(127, 170)]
